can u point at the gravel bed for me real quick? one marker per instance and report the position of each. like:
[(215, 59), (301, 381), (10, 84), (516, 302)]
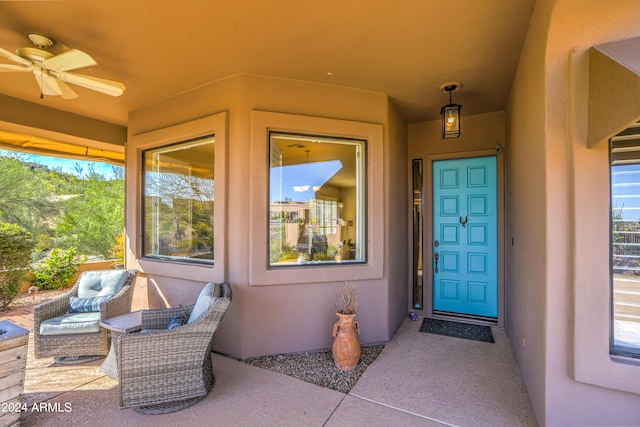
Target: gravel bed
[(318, 368)]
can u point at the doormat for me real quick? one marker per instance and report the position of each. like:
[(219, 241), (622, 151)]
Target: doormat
[(457, 330)]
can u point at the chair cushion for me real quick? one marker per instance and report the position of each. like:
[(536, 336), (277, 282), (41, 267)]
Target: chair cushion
[(178, 320), (204, 301), (86, 305), (68, 324), (100, 283)]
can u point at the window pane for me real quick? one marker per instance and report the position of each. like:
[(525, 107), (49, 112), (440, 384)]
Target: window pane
[(625, 246), (178, 201), (316, 200), (416, 171)]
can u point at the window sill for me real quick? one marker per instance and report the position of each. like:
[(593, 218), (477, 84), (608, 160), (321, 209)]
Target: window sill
[(166, 267)]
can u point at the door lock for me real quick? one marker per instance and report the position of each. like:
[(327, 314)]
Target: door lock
[(436, 257)]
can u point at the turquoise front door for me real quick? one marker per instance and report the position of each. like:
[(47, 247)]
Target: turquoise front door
[(465, 237)]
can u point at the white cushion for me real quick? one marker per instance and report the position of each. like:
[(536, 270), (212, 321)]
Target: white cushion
[(100, 283), (76, 323), (204, 301)]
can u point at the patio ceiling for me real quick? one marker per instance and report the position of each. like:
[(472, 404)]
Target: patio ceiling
[(158, 48)]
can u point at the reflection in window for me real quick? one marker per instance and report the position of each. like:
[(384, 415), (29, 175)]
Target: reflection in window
[(416, 172), (316, 200), (178, 201), (625, 242)]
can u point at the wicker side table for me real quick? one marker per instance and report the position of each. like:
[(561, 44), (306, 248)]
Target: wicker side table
[(123, 324)]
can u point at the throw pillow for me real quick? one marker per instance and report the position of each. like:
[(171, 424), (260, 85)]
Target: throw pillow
[(178, 320), (204, 301), (86, 305)]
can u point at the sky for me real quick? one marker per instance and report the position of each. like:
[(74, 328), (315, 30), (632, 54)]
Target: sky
[(67, 165), (296, 182), (625, 191)]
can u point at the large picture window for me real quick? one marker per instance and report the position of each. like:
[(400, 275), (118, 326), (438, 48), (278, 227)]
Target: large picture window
[(316, 200), (625, 242), (178, 188)]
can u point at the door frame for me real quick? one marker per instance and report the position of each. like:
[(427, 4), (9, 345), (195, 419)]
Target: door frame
[(428, 234)]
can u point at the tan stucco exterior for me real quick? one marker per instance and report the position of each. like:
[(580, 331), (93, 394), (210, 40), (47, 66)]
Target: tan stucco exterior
[(287, 311), (556, 297), (558, 294)]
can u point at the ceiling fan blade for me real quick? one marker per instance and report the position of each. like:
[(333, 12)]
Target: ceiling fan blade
[(70, 60), (11, 67), (51, 86), (108, 87), (13, 57)]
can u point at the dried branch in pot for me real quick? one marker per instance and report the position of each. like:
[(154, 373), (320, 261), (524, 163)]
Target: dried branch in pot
[(346, 299)]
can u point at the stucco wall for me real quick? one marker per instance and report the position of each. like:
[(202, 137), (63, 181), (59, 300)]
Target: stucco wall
[(289, 317), (526, 214), (478, 132), (397, 259), (558, 214)]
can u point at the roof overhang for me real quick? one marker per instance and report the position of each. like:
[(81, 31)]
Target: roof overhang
[(26, 143), (37, 129)]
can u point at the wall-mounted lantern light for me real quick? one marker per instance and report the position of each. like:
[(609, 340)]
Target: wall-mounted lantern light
[(451, 112)]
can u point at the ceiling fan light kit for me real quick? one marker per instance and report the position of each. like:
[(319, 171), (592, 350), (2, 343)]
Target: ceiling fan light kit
[(51, 71)]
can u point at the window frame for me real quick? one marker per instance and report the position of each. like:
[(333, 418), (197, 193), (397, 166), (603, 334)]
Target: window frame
[(263, 122), (632, 133), (361, 198), (592, 361), (215, 124), (143, 191)]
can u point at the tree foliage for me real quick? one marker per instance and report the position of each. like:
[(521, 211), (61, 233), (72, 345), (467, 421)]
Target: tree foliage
[(25, 195), (93, 218), (16, 244), (58, 269), (85, 211)]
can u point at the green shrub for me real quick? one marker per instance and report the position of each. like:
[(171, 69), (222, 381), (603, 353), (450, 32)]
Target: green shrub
[(58, 269), (16, 244), (117, 250)]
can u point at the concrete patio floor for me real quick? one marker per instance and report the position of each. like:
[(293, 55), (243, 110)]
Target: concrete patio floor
[(418, 380)]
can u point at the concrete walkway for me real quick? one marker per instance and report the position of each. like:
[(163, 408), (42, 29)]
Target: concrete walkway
[(418, 380)]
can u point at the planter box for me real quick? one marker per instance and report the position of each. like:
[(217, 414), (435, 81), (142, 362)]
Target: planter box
[(13, 364)]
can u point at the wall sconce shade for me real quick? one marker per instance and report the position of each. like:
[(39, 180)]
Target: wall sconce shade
[(450, 113)]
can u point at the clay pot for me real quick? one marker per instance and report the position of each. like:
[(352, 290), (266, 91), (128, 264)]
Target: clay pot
[(346, 347)]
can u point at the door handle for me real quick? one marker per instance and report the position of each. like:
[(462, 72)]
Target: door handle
[(464, 223), (436, 257)]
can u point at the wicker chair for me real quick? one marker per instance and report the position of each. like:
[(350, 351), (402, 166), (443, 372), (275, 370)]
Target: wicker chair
[(79, 347), (165, 370)]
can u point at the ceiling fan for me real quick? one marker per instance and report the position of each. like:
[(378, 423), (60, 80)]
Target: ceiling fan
[(51, 71)]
